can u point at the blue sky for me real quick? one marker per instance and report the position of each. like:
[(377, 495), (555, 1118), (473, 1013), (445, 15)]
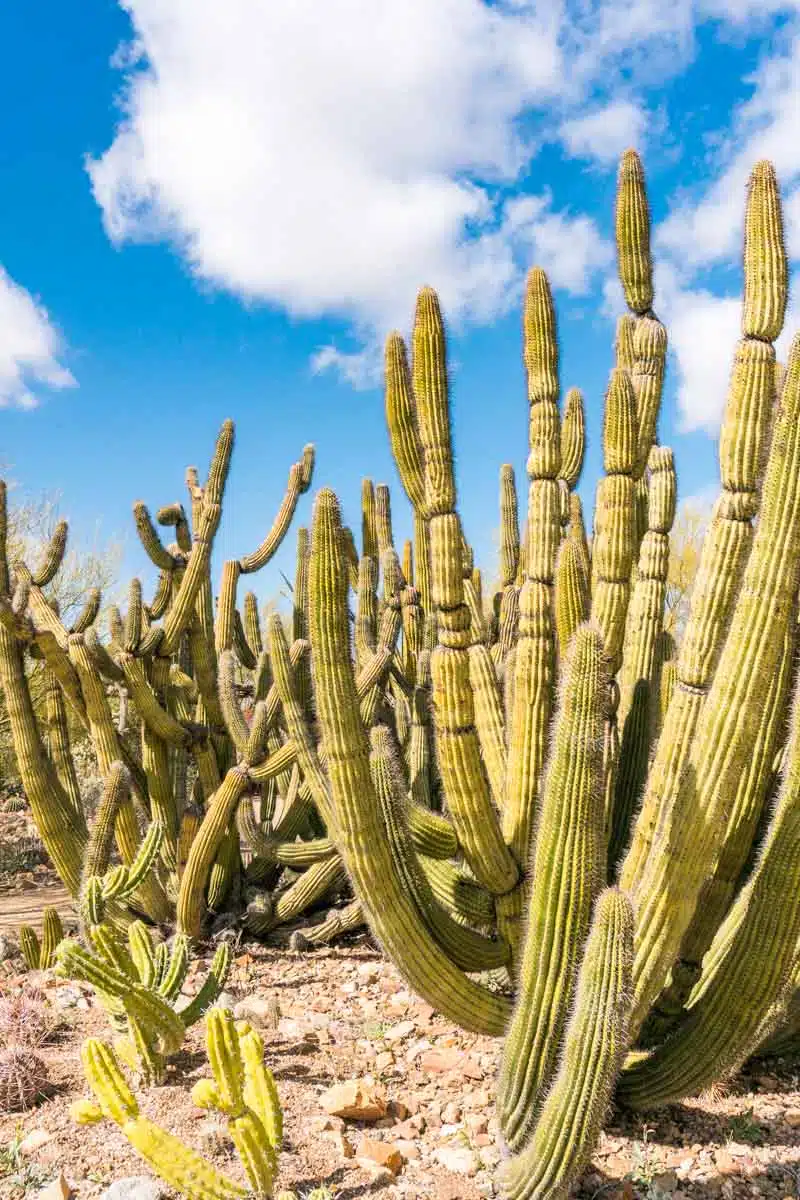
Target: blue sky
[(220, 210)]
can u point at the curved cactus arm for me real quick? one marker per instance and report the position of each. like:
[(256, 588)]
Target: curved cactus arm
[(299, 481), (747, 971), (212, 986), (191, 904), (240, 643), (566, 877), (252, 625), (52, 556), (157, 718), (149, 537), (173, 516), (180, 613), (317, 882), (357, 825), (431, 833), (171, 972), (336, 922), (669, 807), (88, 614), (469, 950), (595, 1042)]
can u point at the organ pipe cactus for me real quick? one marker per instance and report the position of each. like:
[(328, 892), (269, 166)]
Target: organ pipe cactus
[(553, 717), (164, 843)]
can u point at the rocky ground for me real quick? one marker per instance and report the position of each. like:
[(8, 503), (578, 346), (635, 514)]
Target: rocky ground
[(381, 1095)]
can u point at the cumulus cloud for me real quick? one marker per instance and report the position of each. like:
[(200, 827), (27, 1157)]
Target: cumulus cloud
[(328, 159), (605, 132), (29, 348)]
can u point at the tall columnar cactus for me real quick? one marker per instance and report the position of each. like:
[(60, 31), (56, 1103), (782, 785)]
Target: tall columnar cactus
[(536, 819)]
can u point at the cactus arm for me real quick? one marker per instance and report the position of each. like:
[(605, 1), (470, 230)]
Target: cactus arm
[(52, 935), (357, 822), (209, 511), (595, 1041), (636, 710), (178, 1165), (299, 481), (190, 906), (566, 877), (212, 986), (746, 972), (534, 662), (684, 852)]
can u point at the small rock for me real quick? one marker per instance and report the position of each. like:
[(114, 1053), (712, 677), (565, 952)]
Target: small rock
[(459, 1159), (408, 1149), (67, 997), (342, 1144), (384, 1154), (59, 1189), (725, 1162), (437, 1061), (33, 1141), (476, 1123), (263, 1012), (792, 1117), (666, 1182), (369, 972), (134, 1187), (400, 1031), (384, 1060), (355, 1100), (451, 1113)]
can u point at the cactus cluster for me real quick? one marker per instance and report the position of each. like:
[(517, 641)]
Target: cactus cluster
[(139, 985), (548, 790), (563, 828), (203, 808), (242, 1090)]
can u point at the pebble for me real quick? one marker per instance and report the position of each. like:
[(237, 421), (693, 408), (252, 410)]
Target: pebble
[(134, 1187), (263, 1012), (459, 1159)]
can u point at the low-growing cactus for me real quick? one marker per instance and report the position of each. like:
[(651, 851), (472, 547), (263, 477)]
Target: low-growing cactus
[(23, 1078), (40, 956), (139, 985), (242, 1090)]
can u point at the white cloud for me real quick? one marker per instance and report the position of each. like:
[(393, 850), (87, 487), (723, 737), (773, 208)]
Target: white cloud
[(330, 158), (605, 132), (29, 348)]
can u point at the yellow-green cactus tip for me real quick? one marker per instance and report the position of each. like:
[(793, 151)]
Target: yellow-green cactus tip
[(85, 1112)]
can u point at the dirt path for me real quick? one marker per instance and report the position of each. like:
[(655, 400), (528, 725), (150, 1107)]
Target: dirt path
[(26, 908)]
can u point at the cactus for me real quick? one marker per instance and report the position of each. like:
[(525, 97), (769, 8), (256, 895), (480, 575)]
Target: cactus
[(242, 1090), (696, 731), (40, 955), (181, 671), (139, 988)]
